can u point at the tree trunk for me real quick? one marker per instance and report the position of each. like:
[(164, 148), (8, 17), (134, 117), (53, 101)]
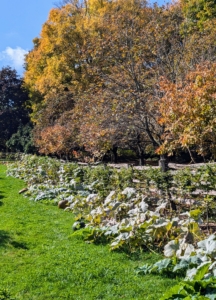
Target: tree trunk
[(140, 155), (191, 156), (114, 155), (163, 164)]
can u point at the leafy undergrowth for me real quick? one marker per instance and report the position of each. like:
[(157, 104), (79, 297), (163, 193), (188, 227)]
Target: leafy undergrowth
[(41, 259)]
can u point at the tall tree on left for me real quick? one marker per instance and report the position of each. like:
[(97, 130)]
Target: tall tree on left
[(13, 112)]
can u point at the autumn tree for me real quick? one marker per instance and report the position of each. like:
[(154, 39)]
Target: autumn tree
[(52, 70), (187, 105), (96, 68), (54, 139), (133, 45), (106, 56), (188, 110)]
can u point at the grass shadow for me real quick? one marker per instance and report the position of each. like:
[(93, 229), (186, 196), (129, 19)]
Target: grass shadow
[(5, 239), (1, 195), (19, 245)]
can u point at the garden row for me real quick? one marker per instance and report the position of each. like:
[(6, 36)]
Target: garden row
[(136, 210)]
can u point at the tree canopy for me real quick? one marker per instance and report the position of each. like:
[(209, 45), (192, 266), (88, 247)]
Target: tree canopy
[(106, 74)]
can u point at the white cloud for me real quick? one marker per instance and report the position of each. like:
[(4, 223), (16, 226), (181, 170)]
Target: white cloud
[(13, 57)]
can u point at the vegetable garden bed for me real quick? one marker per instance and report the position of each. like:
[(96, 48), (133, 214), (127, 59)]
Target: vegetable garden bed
[(136, 210), (40, 258)]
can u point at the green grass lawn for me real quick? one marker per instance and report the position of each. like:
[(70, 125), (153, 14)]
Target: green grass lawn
[(39, 259)]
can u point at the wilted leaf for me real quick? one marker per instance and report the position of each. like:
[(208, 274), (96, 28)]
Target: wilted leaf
[(171, 248)]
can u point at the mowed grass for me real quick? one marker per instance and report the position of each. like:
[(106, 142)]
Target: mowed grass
[(39, 259)]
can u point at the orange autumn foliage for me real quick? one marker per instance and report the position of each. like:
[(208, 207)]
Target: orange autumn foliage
[(54, 139), (188, 111)]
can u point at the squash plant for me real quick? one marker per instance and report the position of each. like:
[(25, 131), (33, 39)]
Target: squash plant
[(131, 208)]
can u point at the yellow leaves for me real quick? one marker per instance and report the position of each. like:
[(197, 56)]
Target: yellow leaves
[(199, 81), (162, 149), (55, 51)]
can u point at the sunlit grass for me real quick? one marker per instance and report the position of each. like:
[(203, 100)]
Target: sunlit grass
[(39, 259)]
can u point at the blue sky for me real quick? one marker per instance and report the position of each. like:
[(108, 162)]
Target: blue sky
[(20, 22)]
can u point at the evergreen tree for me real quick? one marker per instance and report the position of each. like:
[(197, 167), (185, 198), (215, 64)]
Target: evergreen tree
[(13, 112)]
